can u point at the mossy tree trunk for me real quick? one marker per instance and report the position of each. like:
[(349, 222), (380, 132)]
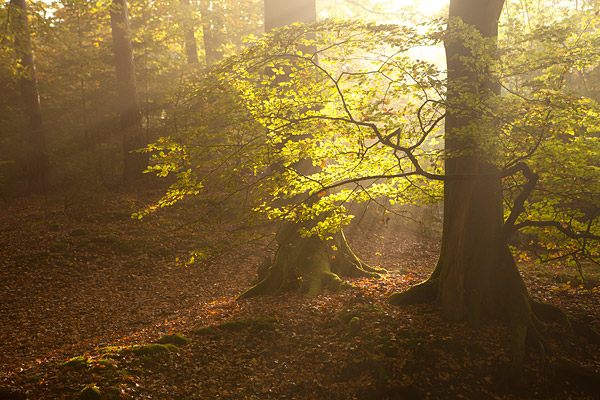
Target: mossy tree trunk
[(476, 276), (311, 263)]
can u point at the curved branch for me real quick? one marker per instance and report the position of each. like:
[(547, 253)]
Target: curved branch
[(519, 204), (555, 224)]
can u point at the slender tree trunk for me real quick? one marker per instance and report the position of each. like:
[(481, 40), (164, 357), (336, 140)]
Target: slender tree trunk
[(36, 161), (211, 32), (189, 32), (129, 104)]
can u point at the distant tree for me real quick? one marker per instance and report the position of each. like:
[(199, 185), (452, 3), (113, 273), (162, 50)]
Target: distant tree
[(36, 162), (212, 31), (129, 106), (189, 32)]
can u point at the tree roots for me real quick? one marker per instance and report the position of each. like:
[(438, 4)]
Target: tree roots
[(311, 263), (527, 320)]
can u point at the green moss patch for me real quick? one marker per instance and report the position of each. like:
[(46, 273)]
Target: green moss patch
[(347, 315), (76, 363), (90, 392), (103, 365), (154, 349), (175, 338), (113, 352)]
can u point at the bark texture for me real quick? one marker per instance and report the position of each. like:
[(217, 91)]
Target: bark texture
[(310, 264), (129, 104), (476, 276), (36, 162), (313, 264)]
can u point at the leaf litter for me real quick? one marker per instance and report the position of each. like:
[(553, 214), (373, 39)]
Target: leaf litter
[(95, 285)]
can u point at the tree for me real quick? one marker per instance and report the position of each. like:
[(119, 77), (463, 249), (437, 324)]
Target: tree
[(316, 261), (476, 276), (367, 116), (131, 121), (36, 161), (212, 31), (189, 32)]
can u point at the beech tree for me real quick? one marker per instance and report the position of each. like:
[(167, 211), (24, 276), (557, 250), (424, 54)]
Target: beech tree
[(129, 105), (36, 162), (476, 276), (354, 101), (317, 262)]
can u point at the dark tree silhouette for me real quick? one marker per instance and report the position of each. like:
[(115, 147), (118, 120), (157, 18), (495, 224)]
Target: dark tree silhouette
[(129, 104), (36, 162)]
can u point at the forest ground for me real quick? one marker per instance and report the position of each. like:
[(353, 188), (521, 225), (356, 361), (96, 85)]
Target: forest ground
[(80, 278)]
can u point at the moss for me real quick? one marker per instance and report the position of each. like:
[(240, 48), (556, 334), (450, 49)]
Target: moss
[(76, 363), (90, 392), (353, 327), (347, 315), (113, 352), (153, 349), (205, 330), (102, 365), (175, 338), (148, 362)]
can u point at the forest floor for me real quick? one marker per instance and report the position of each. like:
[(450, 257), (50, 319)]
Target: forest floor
[(80, 280)]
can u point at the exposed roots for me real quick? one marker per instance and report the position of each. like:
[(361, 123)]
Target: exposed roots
[(424, 292), (508, 298), (311, 263)]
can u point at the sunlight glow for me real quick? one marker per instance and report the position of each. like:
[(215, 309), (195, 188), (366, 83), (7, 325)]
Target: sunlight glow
[(424, 6)]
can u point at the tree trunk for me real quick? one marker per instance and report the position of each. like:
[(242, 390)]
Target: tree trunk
[(311, 263), (129, 104), (189, 32), (476, 276), (211, 32), (36, 161)]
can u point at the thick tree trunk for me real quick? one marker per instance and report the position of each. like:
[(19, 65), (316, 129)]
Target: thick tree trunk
[(36, 162), (129, 104), (476, 276), (311, 263)]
